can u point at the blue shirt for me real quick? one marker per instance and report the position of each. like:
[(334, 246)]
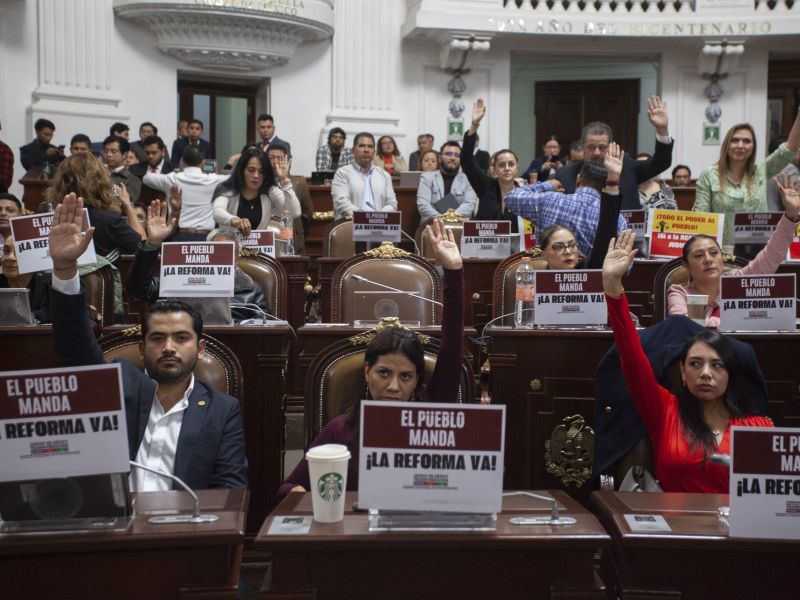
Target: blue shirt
[(578, 212)]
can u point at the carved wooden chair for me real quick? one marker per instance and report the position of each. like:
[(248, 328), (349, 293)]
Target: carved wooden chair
[(271, 276), (504, 282), (337, 240), (452, 221)]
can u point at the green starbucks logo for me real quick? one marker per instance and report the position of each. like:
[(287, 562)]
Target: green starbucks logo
[(330, 486)]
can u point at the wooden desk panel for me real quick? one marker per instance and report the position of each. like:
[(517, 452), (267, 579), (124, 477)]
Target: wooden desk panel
[(512, 562), (544, 376), (296, 268), (143, 561), (684, 197), (697, 559)]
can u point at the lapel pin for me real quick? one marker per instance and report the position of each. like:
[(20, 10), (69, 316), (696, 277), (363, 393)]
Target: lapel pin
[(201, 403)]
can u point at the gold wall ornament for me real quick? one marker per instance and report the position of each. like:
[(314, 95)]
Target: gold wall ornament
[(132, 331), (728, 258), (535, 385), (570, 451), (363, 339), (451, 216), (387, 251)]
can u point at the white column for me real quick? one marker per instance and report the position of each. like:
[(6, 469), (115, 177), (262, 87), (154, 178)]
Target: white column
[(75, 71), (366, 51)]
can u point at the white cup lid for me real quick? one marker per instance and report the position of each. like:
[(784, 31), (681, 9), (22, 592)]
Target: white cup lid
[(328, 452)]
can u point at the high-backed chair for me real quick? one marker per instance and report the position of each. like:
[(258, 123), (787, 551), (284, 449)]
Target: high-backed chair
[(337, 241), (99, 287), (675, 272), (504, 282), (390, 266), (218, 366), (271, 276), (336, 376), (452, 221)]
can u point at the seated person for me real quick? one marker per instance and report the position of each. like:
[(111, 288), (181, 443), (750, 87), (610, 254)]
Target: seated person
[(687, 427), (394, 366), (681, 176), (145, 286), (38, 284), (654, 192), (388, 156), (429, 161), (702, 257), (175, 422), (544, 167), (446, 188), (10, 207)]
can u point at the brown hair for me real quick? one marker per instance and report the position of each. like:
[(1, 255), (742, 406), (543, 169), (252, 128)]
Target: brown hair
[(379, 150), (723, 166), (86, 177)]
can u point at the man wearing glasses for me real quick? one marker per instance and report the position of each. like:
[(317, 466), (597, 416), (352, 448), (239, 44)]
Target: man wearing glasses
[(446, 188), (596, 138), (114, 150)]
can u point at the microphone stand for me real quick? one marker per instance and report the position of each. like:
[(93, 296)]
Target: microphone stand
[(553, 519), (195, 517), (388, 287)]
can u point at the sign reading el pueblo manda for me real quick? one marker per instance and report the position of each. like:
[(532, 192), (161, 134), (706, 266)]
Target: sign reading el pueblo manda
[(486, 239), (376, 226), (757, 302), (32, 246), (570, 298), (198, 269)]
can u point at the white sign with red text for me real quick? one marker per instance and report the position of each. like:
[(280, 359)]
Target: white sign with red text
[(197, 269), (31, 243)]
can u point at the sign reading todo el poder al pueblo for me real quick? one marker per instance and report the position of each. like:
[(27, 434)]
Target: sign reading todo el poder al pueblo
[(62, 423), (200, 269)]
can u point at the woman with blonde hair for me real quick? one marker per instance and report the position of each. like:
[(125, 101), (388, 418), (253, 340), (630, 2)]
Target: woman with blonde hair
[(86, 177), (737, 183)]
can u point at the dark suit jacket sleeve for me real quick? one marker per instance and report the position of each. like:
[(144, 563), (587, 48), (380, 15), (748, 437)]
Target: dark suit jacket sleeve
[(28, 156), (479, 180), (141, 282), (606, 228), (568, 175), (74, 341), (177, 151), (647, 169), (230, 467)]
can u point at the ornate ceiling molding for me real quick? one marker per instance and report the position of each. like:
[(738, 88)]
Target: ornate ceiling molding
[(239, 35)]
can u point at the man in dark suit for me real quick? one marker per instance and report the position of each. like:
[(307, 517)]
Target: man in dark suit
[(481, 156), (194, 138), (175, 422), (155, 153), (597, 136), (40, 151), (266, 133)]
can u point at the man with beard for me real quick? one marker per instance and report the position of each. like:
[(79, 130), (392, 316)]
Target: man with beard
[(333, 155), (175, 423), (446, 188), (596, 138), (361, 185)]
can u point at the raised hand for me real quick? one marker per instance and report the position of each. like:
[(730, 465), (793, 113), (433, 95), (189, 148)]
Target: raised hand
[(124, 197), (243, 225), (657, 113), (66, 241), (614, 161), (281, 168), (618, 259), (478, 112), (557, 185), (444, 245), (789, 195), (158, 229), (175, 200)]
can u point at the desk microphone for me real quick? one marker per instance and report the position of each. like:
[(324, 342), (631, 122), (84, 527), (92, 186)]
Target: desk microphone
[(195, 517), (413, 241), (388, 287), (553, 519), (721, 459)]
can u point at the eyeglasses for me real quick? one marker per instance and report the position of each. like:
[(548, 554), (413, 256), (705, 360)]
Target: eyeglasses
[(452, 154), (562, 248)]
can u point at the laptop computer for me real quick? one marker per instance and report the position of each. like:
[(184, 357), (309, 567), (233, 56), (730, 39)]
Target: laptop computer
[(322, 177), (15, 307), (214, 311), (410, 178), (369, 307)]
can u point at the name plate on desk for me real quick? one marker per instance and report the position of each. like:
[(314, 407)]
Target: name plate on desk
[(261, 240), (754, 228), (376, 226), (62, 423), (570, 298), (671, 229), (31, 242), (431, 457), (486, 239), (200, 269), (765, 483), (637, 221), (757, 303)]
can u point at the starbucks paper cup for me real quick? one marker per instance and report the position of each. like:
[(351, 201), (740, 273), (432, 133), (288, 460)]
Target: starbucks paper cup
[(327, 468)]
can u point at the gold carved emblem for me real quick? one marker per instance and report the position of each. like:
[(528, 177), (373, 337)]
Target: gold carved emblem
[(248, 252), (534, 252), (387, 251), (363, 339), (322, 215), (132, 331), (570, 450), (451, 216)]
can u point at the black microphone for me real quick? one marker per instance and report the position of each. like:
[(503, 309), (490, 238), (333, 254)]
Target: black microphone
[(195, 517), (388, 287), (553, 519)]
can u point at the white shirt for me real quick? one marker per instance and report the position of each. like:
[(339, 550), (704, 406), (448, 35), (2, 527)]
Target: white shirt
[(197, 189), (159, 445)]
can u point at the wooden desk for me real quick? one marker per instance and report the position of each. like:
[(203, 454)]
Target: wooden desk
[(296, 268), (544, 376), (27, 347), (34, 185), (684, 197), (180, 561), (344, 560), (697, 559)]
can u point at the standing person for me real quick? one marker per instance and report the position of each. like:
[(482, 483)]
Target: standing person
[(491, 192), (737, 183), (544, 167), (596, 137), (175, 422), (266, 134), (394, 366), (361, 185), (333, 155), (250, 197), (424, 143), (688, 426), (114, 150), (80, 144), (146, 129), (445, 188), (388, 156), (197, 190), (194, 137), (40, 152)]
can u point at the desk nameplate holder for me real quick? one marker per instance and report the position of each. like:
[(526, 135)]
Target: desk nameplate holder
[(401, 520)]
